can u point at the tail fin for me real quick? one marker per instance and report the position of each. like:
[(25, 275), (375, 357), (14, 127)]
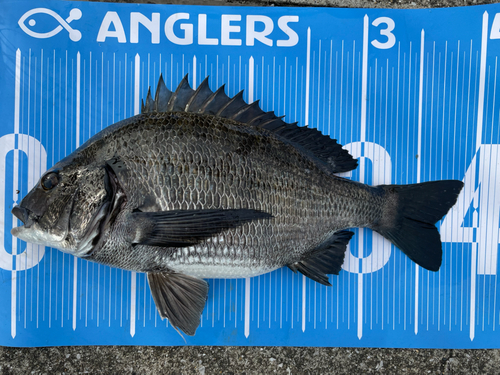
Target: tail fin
[(410, 217)]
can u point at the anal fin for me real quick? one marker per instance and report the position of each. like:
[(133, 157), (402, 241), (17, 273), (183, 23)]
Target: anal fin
[(325, 260), (179, 298)]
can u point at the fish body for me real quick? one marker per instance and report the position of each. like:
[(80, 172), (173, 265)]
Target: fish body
[(203, 162), (200, 185)]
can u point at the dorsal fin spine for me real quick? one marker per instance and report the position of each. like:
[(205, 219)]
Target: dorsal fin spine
[(202, 85), (162, 96), (231, 101), (278, 122), (244, 109), (257, 118), (149, 101), (212, 98), (176, 101)]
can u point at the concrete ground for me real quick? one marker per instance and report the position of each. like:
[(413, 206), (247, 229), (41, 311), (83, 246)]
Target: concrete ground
[(239, 360), (243, 360)]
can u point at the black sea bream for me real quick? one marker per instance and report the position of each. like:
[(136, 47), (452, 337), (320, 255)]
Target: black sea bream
[(200, 185)]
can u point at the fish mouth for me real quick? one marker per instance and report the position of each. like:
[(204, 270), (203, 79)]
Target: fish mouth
[(34, 233), (27, 217)]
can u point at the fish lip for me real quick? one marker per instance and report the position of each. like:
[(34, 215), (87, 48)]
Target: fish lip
[(23, 214)]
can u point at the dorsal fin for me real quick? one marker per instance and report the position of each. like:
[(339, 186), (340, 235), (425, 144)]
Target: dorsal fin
[(214, 101), (199, 96), (325, 151), (148, 107), (162, 96), (181, 97)]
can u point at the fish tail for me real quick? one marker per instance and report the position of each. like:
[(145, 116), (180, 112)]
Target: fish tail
[(410, 215)]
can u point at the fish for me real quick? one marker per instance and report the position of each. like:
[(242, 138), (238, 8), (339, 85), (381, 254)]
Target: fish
[(202, 185)]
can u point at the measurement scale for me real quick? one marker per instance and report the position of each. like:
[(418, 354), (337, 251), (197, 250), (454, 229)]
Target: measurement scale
[(411, 93)]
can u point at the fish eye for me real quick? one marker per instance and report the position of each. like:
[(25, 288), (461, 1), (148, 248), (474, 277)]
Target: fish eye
[(49, 181)]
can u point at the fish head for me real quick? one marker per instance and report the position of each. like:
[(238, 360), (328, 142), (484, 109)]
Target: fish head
[(65, 208)]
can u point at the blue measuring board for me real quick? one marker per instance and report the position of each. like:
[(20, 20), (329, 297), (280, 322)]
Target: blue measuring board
[(414, 94)]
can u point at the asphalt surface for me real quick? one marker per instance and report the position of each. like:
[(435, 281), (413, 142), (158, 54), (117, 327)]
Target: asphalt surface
[(257, 360), (241, 360)]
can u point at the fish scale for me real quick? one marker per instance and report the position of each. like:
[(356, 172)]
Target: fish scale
[(201, 185), (293, 190)]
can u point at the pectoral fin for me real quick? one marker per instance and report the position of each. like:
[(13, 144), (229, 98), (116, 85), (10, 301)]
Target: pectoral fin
[(181, 228), (179, 298), (325, 260)]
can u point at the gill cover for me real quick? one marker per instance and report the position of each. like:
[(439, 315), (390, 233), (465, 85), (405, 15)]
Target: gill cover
[(105, 216)]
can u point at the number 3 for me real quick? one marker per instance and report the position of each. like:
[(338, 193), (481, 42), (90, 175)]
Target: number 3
[(391, 39), (495, 28)]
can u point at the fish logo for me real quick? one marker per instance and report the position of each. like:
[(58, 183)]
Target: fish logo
[(74, 14)]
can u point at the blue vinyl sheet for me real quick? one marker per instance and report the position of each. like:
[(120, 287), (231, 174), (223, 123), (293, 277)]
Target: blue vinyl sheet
[(414, 94)]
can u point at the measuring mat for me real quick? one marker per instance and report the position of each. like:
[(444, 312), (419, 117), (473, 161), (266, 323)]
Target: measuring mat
[(413, 93)]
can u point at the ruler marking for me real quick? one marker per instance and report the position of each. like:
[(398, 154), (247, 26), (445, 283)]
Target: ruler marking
[(17, 105), (133, 275), (419, 162), (479, 133), (306, 123), (251, 79), (364, 100)]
